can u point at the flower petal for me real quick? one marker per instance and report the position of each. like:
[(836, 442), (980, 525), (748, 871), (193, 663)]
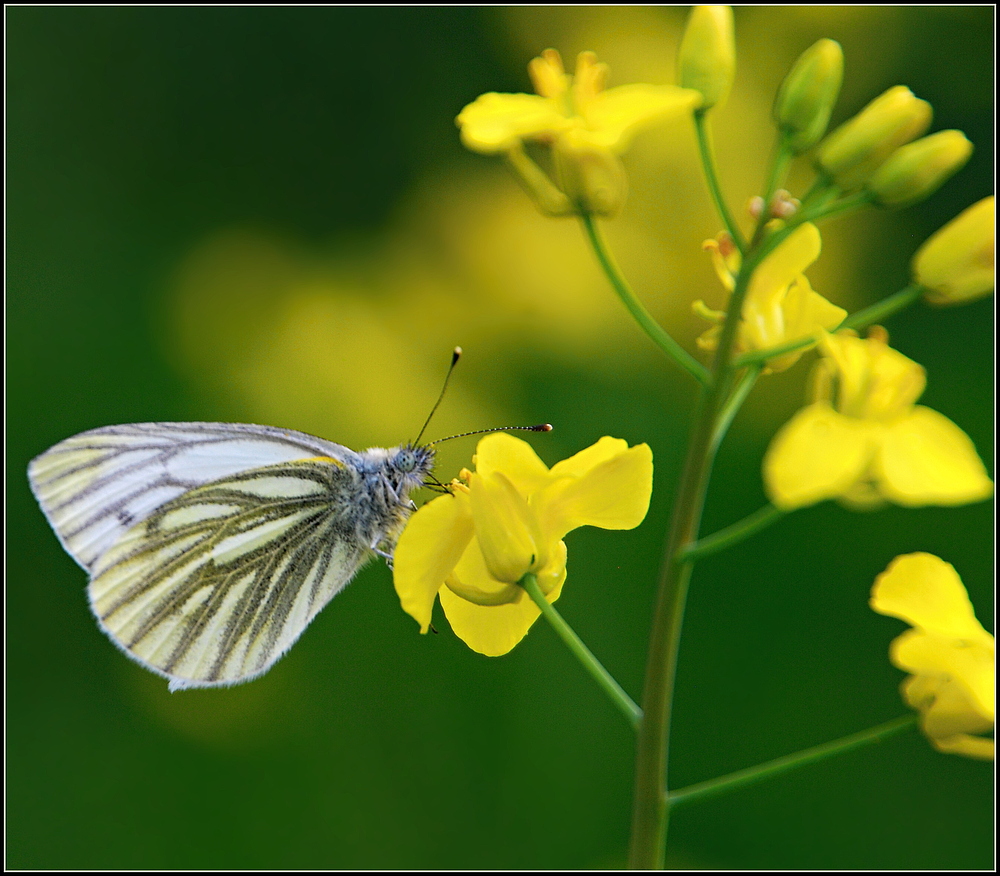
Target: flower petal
[(816, 455), (613, 494), (471, 580), (963, 666), (517, 459), (925, 459), (506, 528), (495, 123), (496, 629), (777, 271), (928, 593), (614, 116), (428, 549)]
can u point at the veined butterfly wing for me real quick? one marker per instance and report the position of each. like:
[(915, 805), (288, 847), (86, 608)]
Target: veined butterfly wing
[(211, 546)]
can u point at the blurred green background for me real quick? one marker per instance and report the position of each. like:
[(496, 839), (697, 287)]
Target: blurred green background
[(265, 215)]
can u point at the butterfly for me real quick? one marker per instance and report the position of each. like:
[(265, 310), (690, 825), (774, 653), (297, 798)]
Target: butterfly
[(211, 546)]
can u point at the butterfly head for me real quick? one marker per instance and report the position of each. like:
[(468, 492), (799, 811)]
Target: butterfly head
[(409, 465)]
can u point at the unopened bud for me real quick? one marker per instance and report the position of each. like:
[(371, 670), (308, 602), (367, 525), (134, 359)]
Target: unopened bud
[(956, 264), (917, 170), (706, 60), (806, 97), (852, 153)]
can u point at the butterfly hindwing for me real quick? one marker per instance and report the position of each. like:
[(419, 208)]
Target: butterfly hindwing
[(217, 583)]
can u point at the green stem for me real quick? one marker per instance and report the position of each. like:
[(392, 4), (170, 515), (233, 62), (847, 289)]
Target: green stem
[(642, 316), (737, 532), (582, 653), (779, 170), (776, 767), (650, 809), (826, 210), (734, 403), (704, 136), (875, 313), (880, 310)]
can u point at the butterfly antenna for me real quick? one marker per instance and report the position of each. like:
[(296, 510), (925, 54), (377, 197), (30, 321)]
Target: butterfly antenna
[(541, 427), (456, 354)]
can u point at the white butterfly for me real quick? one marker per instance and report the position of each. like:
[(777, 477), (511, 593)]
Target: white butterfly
[(211, 546)]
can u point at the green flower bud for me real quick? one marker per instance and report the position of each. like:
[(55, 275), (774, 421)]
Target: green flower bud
[(852, 153), (917, 170), (806, 97), (956, 264), (706, 61)]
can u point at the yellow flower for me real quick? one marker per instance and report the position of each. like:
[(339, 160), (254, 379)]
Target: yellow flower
[(507, 519), (950, 655), (864, 441), (585, 126), (956, 264), (780, 305)]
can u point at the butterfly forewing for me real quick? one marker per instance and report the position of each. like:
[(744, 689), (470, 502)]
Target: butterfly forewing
[(95, 486), (218, 583)]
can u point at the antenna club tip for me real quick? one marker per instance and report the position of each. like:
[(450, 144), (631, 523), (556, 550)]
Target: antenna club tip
[(544, 427), (456, 354)]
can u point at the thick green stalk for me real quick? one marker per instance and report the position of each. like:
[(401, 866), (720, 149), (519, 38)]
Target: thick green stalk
[(650, 803)]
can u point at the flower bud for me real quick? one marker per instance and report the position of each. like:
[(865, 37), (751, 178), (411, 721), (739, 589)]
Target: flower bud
[(956, 263), (806, 97), (917, 170), (852, 153), (706, 60)]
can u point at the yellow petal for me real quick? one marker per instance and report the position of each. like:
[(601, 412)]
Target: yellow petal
[(925, 459), (589, 458), (816, 455), (507, 530), (963, 664), (471, 580), (928, 593), (970, 746), (517, 460), (428, 549), (614, 116), (613, 494), (495, 123), (791, 258), (946, 711), (494, 630)]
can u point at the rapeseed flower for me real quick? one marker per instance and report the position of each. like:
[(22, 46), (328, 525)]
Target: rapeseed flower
[(506, 520), (584, 126), (949, 656), (864, 441), (780, 305)]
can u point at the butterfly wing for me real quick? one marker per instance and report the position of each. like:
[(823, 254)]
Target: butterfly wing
[(215, 585), (95, 486), (210, 546)]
